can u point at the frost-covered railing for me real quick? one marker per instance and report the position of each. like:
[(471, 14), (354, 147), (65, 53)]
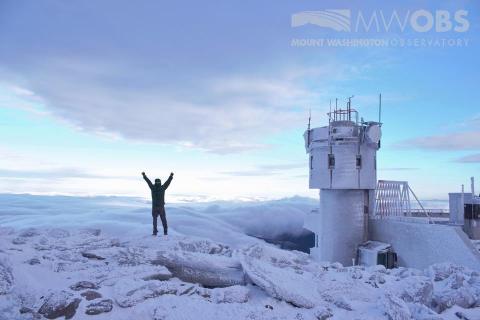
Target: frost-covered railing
[(392, 199)]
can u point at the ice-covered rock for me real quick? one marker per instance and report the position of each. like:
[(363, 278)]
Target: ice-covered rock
[(90, 232), (28, 313), (91, 295), (203, 246), (422, 312), (210, 270), (233, 294), (459, 313), (169, 277), (281, 275), (454, 285), (90, 255), (394, 307), (6, 276), (416, 289), (33, 261), (160, 273), (19, 240), (6, 231), (29, 232), (447, 297), (322, 313), (129, 292), (59, 304), (442, 271), (83, 285), (102, 306), (131, 256), (342, 303), (402, 272), (108, 276), (58, 233)]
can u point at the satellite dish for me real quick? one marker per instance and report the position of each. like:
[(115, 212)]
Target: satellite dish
[(374, 133)]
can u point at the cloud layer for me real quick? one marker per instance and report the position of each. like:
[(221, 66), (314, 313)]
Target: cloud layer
[(266, 170), (198, 86), (473, 158), (469, 140)]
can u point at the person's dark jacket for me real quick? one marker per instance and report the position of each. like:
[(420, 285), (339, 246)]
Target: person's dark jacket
[(158, 191)]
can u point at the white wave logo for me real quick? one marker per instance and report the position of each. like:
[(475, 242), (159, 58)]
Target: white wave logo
[(336, 19)]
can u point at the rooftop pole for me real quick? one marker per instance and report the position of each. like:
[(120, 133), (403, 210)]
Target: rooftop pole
[(380, 108), (336, 106)]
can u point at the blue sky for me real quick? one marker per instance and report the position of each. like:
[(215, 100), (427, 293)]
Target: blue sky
[(91, 94)]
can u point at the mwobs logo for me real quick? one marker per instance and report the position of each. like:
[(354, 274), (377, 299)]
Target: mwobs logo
[(338, 20), (420, 20)]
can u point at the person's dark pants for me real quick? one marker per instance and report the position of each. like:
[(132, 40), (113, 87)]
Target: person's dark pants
[(159, 211)]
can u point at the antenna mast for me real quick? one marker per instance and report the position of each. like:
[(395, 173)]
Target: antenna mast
[(336, 107), (349, 108), (380, 109), (330, 113), (309, 119)]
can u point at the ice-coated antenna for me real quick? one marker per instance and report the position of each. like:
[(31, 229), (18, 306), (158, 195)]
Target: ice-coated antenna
[(380, 109), (336, 107), (309, 117), (330, 113), (309, 120), (349, 107)]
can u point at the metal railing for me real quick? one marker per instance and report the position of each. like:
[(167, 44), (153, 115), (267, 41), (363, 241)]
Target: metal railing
[(392, 199)]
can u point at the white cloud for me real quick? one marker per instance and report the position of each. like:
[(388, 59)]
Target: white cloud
[(468, 140), (266, 170), (398, 169), (473, 158), (220, 114), (55, 173)]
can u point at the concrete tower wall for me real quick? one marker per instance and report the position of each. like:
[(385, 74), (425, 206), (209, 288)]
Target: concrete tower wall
[(339, 226)]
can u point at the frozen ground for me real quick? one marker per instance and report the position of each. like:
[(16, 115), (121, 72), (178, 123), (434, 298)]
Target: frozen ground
[(94, 259)]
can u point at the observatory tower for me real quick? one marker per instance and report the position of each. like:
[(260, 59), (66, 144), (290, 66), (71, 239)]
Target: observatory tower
[(343, 166)]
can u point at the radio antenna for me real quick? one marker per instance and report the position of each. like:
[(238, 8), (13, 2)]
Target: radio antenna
[(330, 113), (336, 106), (380, 109), (309, 120)]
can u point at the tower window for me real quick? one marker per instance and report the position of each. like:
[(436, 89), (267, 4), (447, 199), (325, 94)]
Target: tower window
[(311, 162), (331, 161), (359, 161)]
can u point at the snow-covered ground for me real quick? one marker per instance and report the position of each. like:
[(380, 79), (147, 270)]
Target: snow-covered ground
[(94, 258)]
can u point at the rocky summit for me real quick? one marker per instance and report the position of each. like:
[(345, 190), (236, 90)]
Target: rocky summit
[(84, 274)]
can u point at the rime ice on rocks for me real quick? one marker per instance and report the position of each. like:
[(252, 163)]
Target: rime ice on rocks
[(249, 282)]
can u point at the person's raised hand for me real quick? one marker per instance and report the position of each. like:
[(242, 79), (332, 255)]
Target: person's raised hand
[(171, 173), (143, 173)]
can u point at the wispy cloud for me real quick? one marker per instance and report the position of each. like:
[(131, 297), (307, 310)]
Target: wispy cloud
[(473, 158), (398, 169), (220, 115), (57, 173), (265, 170), (468, 140)]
